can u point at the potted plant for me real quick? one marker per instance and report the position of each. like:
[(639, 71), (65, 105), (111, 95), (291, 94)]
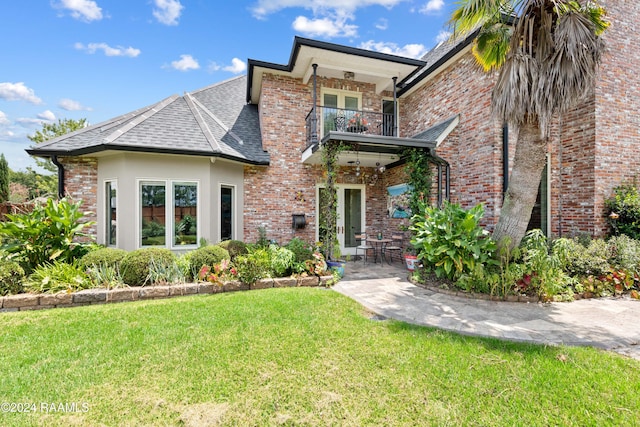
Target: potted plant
[(336, 263), (410, 258)]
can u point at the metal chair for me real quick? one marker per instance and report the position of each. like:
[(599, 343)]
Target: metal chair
[(394, 247), (361, 238)]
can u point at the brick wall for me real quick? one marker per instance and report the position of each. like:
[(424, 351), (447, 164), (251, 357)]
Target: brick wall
[(81, 183), (474, 148)]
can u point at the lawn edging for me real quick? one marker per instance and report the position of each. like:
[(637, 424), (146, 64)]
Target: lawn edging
[(27, 301)]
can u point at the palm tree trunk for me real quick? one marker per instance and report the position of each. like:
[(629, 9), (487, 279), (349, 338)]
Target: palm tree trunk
[(529, 162)]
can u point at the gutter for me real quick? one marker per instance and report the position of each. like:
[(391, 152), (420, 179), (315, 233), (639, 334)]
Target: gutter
[(60, 167)]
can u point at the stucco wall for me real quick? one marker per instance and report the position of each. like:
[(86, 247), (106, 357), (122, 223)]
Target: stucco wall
[(131, 168)]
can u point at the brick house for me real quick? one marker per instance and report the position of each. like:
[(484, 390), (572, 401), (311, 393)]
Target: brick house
[(246, 153)]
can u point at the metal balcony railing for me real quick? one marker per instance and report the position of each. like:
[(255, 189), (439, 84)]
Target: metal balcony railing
[(323, 120)]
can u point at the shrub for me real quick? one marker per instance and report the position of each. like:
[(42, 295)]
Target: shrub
[(450, 241), (103, 256), (623, 211), (301, 249), (282, 260), (11, 277), (234, 247), (579, 260), (165, 273), (57, 277), (624, 253), (135, 266), (49, 232), (105, 276), (254, 266), (207, 255)]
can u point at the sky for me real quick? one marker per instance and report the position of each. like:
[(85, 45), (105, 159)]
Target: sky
[(98, 59)]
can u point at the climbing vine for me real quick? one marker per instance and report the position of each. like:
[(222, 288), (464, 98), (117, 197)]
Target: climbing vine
[(419, 172), (329, 198)]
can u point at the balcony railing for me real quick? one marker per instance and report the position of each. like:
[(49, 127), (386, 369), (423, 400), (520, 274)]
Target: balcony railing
[(327, 119)]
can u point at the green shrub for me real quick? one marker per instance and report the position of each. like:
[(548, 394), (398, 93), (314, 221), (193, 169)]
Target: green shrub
[(105, 276), (450, 241), (207, 255), (301, 249), (234, 247), (11, 277), (254, 266), (49, 232), (623, 211), (624, 253), (103, 256), (57, 277), (135, 266), (282, 260), (579, 260)]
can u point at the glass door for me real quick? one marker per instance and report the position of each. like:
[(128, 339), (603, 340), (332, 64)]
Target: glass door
[(338, 104), (351, 215)]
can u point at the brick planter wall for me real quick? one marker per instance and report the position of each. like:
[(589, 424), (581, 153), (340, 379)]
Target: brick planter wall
[(24, 302)]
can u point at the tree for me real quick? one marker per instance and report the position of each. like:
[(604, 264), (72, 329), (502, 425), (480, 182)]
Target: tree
[(4, 179), (547, 53), (47, 184)]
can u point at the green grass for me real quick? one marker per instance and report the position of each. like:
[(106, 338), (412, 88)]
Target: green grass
[(294, 356)]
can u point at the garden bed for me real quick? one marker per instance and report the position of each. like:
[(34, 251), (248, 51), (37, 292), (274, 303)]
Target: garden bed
[(27, 301)]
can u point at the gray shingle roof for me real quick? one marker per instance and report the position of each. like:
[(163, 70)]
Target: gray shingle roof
[(212, 121)]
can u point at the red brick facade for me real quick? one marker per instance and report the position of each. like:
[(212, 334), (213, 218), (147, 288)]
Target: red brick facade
[(81, 183)]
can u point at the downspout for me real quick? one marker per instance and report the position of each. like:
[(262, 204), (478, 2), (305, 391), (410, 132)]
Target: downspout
[(314, 119), (505, 159), (395, 107), (54, 160)]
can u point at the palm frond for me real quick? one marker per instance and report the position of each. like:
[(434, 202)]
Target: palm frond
[(491, 46)]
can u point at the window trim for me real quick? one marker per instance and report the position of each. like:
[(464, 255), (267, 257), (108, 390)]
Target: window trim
[(107, 212)]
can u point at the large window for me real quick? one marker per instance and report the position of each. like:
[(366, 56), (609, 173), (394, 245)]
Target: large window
[(111, 223), (178, 225), (226, 213)]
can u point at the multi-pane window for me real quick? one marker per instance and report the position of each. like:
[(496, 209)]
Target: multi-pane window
[(177, 224)]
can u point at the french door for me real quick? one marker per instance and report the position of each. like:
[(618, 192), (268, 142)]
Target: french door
[(351, 215)]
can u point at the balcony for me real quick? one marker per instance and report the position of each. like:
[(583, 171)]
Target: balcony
[(323, 120)]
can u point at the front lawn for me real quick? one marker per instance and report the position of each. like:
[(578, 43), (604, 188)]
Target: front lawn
[(293, 356)]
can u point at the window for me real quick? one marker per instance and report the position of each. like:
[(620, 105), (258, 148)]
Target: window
[(185, 210), (226, 213), (180, 224), (111, 223)]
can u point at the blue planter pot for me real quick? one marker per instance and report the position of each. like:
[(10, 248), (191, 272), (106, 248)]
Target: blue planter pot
[(337, 266)]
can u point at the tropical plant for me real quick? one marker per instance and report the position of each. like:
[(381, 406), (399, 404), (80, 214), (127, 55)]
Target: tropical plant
[(58, 276), (450, 241), (254, 266), (218, 273), (547, 52), (282, 260), (50, 232)]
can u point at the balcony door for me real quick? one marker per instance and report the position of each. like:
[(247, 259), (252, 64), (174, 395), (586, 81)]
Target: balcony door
[(351, 215), (338, 103)]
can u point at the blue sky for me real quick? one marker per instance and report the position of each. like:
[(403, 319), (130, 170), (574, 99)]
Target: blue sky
[(97, 59)]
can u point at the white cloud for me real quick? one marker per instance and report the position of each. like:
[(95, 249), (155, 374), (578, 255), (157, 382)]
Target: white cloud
[(108, 50), (168, 11), (71, 105), (382, 24), (324, 27), (432, 6), (443, 36), (83, 10), (237, 66), (3, 118), (263, 8), (18, 92), (410, 50), (186, 63), (29, 121), (47, 116)]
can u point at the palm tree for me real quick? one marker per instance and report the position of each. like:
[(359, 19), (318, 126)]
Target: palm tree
[(547, 53)]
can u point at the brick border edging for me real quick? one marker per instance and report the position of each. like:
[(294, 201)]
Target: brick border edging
[(26, 302)]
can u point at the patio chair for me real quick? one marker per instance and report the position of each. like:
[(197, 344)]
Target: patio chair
[(363, 246), (394, 247)]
